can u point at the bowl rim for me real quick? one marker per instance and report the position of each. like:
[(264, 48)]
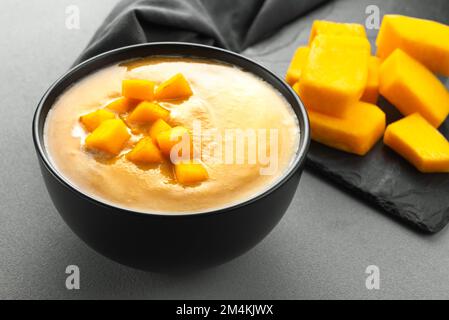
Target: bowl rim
[(296, 164)]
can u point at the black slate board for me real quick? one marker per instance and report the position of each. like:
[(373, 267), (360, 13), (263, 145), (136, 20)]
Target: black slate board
[(269, 31)]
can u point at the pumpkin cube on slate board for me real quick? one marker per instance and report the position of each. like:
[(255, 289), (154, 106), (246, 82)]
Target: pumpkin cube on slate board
[(411, 87), (371, 93), (425, 40), (335, 75), (420, 143), (296, 65), (357, 132), (336, 29)]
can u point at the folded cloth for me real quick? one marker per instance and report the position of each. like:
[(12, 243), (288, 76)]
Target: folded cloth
[(230, 24)]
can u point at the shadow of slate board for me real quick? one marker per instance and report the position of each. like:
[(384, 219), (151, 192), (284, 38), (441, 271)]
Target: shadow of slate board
[(269, 31)]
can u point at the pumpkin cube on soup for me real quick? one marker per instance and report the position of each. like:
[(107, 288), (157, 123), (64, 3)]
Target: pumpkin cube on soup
[(167, 139), (296, 65), (145, 151), (121, 105), (356, 133), (419, 142), (177, 87), (190, 172), (371, 93), (411, 87), (147, 112), (110, 136), (335, 75), (425, 40), (92, 120), (157, 127), (138, 89), (336, 29)]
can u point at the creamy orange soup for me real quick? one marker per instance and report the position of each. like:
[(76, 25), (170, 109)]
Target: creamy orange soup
[(224, 98)]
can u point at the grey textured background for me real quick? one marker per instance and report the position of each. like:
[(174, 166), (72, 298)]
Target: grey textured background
[(319, 250)]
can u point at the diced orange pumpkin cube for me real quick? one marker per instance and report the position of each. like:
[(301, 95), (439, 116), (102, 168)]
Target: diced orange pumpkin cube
[(110, 136), (411, 87), (138, 89), (336, 29), (122, 104), (147, 112), (299, 59), (92, 120), (371, 93), (419, 142), (356, 133), (145, 151), (296, 65), (177, 87), (425, 40), (157, 127), (190, 172), (169, 138), (335, 74)]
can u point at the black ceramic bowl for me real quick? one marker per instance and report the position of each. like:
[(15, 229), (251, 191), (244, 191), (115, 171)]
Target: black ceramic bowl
[(172, 242)]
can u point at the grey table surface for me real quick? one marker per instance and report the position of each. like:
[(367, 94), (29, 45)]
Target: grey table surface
[(320, 249)]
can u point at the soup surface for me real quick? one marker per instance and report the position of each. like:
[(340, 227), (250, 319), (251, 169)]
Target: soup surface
[(226, 102)]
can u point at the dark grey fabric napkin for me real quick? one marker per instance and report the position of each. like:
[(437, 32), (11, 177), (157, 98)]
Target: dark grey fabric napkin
[(230, 24)]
